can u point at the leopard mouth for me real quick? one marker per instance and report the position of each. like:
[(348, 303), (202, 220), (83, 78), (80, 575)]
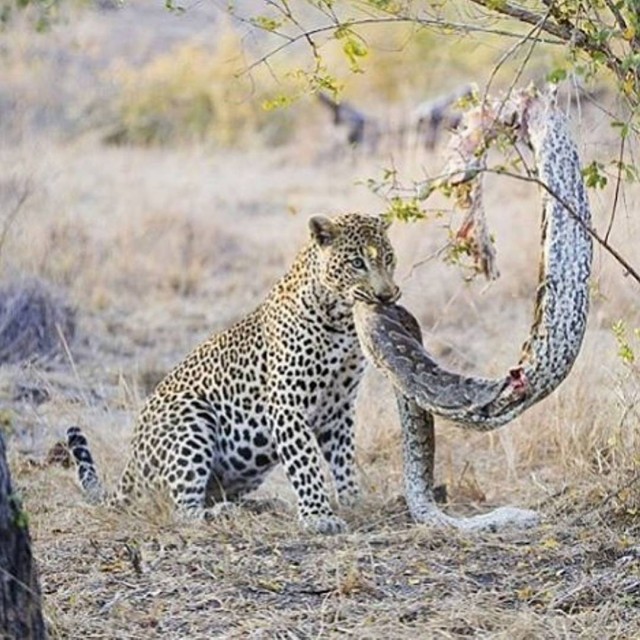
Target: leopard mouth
[(371, 298)]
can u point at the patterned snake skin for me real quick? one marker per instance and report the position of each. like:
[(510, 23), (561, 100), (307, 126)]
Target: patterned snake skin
[(391, 339)]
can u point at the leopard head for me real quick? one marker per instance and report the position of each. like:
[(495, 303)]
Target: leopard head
[(355, 260)]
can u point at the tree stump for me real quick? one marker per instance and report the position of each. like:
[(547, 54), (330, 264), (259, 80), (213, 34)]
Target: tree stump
[(20, 607)]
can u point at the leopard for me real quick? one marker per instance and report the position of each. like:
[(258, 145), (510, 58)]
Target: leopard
[(277, 387)]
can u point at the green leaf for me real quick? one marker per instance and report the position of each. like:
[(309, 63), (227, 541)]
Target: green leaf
[(353, 46), (170, 5), (619, 329), (594, 176), (557, 75), (388, 6), (405, 210), (623, 126), (626, 354), (266, 23), (278, 102), (625, 350), (354, 49)]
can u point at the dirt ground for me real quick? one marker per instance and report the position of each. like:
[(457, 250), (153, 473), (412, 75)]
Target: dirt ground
[(157, 247), (257, 576)]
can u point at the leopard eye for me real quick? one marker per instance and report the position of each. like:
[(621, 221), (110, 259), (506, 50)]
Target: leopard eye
[(358, 263)]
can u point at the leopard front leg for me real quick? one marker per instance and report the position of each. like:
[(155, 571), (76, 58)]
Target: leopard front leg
[(336, 438), (299, 454), (335, 428)]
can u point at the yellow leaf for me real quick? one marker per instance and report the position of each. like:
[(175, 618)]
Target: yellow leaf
[(550, 543), (526, 593), (114, 566), (629, 84), (269, 585)]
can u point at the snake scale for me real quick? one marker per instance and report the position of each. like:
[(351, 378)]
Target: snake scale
[(390, 335)]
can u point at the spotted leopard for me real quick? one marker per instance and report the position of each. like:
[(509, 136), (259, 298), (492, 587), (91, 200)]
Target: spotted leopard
[(277, 387)]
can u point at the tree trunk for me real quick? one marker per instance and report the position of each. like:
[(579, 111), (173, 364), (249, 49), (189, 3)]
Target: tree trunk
[(20, 609)]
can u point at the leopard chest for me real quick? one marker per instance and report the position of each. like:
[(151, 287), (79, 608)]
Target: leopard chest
[(316, 373)]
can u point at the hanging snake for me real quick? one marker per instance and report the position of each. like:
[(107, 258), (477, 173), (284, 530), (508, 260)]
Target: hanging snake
[(391, 337)]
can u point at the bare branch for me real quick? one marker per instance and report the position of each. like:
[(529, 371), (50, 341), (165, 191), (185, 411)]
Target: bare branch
[(622, 23), (616, 195), (562, 28), (603, 242), (529, 17), (437, 23)]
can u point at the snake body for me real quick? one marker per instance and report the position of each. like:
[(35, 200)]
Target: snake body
[(390, 336)]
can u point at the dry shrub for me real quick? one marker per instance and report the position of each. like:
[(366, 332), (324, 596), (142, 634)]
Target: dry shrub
[(35, 322), (608, 441), (617, 453), (193, 94)]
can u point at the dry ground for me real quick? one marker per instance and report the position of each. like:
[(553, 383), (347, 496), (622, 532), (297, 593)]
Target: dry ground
[(159, 247)]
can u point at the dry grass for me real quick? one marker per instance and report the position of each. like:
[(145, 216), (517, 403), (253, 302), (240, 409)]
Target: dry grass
[(253, 576), (159, 247), (34, 322)]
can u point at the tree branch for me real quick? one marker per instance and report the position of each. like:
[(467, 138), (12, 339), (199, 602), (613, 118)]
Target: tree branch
[(614, 206), (622, 23), (524, 15), (457, 27), (603, 242), (564, 30)]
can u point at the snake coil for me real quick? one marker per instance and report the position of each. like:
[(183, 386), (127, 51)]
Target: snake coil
[(390, 336)]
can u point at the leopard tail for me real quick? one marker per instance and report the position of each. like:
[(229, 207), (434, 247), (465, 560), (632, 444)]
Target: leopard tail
[(86, 468)]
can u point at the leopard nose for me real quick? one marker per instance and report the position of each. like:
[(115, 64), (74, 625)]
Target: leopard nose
[(389, 296)]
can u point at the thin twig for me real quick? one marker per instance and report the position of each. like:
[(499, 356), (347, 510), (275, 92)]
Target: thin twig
[(457, 27), (529, 36), (13, 213), (617, 15), (608, 498), (588, 228), (616, 195)]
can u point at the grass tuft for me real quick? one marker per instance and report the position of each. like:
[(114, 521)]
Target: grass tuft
[(35, 322)]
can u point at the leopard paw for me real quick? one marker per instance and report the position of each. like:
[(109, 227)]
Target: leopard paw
[(324, 524), (350, 497)]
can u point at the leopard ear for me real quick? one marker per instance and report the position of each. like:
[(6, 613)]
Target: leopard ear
[(323, 231)]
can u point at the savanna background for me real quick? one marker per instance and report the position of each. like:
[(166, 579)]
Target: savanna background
[(149, 185)]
